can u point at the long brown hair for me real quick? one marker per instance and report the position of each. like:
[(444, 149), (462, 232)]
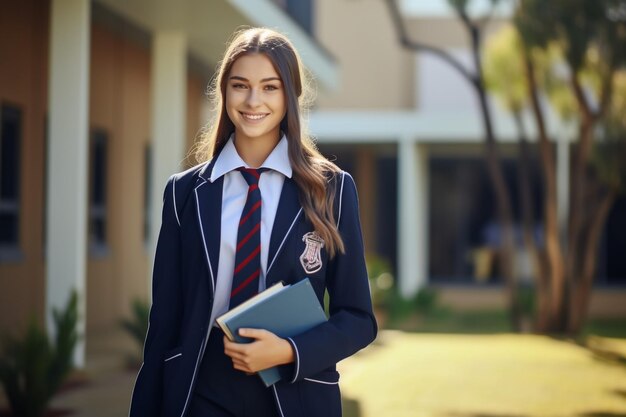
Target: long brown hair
[(312, 172)]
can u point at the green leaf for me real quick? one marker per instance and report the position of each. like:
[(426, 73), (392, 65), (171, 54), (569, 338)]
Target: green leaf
[(32, 368)]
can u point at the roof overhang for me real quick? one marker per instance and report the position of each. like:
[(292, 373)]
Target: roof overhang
[(420, 9), (208, 26)]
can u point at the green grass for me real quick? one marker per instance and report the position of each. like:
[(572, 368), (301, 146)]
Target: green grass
[(482, 375), (446, 320), (450, 321), (607, 327)]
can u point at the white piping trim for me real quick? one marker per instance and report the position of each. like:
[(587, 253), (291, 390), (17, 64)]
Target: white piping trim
[(174, 200), (297, 360), (321, 382), (206, 338), (201, 184), (281, 243), (172, 357), (280, 408), (206, 250), (195, 369), (343, 177)]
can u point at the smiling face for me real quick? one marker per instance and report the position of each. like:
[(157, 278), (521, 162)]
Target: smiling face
[(255, 99)]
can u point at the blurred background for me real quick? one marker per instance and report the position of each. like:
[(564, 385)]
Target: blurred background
[(487, 140)]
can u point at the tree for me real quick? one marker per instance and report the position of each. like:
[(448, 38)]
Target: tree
[(587, 38), (475, 28), (505, 79), (591, 38)]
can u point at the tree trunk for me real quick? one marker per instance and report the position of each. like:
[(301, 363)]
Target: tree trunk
[(503, 199), (577, 191), (505, 217), (550, 288), (581, 291), (528, 221)]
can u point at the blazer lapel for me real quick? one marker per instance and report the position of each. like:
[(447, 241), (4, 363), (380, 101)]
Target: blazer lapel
[(287, 213), (209, 212)]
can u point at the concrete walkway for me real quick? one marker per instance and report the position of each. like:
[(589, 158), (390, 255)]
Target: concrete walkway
[(108, 396), (109, 382)]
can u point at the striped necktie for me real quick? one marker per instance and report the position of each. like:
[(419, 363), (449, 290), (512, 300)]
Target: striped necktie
[(248, 252)]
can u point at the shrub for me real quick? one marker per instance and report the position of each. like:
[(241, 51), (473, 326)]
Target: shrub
[(425, 303), (137, 327), (32, 369), (381, 280), (426, 300)]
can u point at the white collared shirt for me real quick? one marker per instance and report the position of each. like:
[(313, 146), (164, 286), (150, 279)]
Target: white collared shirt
[(233, 200)]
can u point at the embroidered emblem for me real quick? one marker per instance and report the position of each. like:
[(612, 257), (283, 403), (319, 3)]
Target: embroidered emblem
[(311, 258)]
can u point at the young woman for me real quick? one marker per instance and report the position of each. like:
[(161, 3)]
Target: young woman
[(266, 206)]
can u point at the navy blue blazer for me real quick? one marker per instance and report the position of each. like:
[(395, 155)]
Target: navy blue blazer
[(183, 287)]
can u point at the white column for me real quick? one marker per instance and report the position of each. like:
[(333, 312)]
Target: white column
[(412, 217), (66, 213), (562, 184), (169, 94)]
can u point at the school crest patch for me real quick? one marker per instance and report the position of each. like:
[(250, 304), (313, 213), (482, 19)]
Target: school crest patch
[(311, 258)]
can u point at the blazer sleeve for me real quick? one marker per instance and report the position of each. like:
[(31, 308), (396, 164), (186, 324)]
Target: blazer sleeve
[(351, 325), (165, 313)]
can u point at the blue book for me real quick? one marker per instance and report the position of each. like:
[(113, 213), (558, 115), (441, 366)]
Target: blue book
[(285, 310)]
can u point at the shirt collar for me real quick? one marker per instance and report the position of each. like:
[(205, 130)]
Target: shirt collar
[(229, 160)]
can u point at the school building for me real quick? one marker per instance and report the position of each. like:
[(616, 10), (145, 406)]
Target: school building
[(100, 101)]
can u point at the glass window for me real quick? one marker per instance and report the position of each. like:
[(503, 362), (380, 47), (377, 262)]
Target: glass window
[(147, 184), (611, 262), (465, 233), (302, 12), (98, 194), (10, 143)]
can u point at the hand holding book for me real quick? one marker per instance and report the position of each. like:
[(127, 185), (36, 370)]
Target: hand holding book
[(266, 351), (272, 316)]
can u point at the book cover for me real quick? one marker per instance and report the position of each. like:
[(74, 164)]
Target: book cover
[(283, 310)]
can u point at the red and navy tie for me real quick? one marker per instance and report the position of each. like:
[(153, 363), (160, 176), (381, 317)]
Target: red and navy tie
[(248, 252)]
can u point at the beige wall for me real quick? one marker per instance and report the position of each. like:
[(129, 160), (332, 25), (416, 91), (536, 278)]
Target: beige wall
[(365, 179), (374, 71), (605, 302), (23, 83), (446, 33), (120, 104)]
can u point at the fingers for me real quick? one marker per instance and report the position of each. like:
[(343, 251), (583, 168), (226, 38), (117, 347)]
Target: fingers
[(250, 357), (235, 350), (242, 365), (238, 350), (243, 369), (255, 333)]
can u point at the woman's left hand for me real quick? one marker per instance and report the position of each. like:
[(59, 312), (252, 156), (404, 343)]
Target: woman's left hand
[(265, 351)]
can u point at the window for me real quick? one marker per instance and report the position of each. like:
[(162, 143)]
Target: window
[(147, 184), (302, 12), (465, 234), (98, 195), (44, 211), (611, 262), (10, 142)]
